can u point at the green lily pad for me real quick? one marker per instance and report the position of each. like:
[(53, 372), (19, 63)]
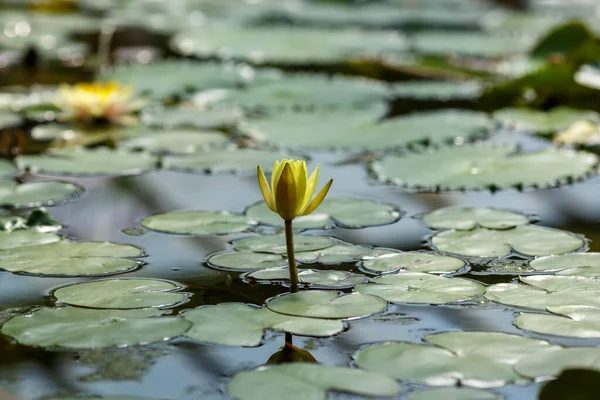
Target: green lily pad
[(38, 219), (177, 141), (418, 287), (469, 44), (551, 363), (67, 258), (346, 212), (191, 117), (36, 193), (308, 92), (437, 90), (202, 223), (243, 261), (362, 130), (542, 291), (69, 136), (7, 168), (527, 240), (99, 161), (234, 161), (9, 119), (476, 359), (581, 264), (531, 120), (275, 244), (393, 262), (81, 328), (123, 293), (25, 237), (326, 304), (314, 278), (337, 254), (272, 44), (571, 321), (454, 394), (467, 218), (172, 78), (238, 324), (484, 166), (303, 381)]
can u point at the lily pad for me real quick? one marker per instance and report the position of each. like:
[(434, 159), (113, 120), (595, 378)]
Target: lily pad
[(337, 254), (191, 117), (123, 293), (99, 161), (454, 394), (38, 219), (238, 324), (484, 166), (531, 120), (362, 130), (25, 237), (70, 258), (393, 262), (7, 168), (551, 363), (81, 328), (177, 141), (36, 193), (467, 218), (437, 90), (9, 119), (303, 381), (418, 287), (469, 44), (571, 321), (234, 161), (314, 278), (527, 240), (272, 44), (275, 244), (581, 264), (326, 304), (542, 291), (243, 261), (203, 223), (476, 359), (345, 212)]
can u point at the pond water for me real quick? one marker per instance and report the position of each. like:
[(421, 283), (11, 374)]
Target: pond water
[(112, 208)]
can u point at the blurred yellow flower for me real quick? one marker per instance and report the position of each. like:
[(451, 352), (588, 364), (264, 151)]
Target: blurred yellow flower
[(97, 102), (291, 191), (579, 133)]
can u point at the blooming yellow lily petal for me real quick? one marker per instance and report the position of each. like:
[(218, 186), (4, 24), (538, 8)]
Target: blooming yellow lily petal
[(301, 177), (316, 202), (285, 194), (265, 190)]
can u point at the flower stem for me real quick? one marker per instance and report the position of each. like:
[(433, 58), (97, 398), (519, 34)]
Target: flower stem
[(289, 242)]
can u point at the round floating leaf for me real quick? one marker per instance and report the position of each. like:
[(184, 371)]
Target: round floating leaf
[(82, 328), (68, 136), (469, 43), (531, 120), (197, 223), (272, 44), (68, 258), (124, 293), (483, 166), (527, 240), (236, 160), (346, 212), (238, 324), (80, 161), (412, 262), (437, 90), (467, 218), (308, 92), (36, 193), (476, 359), (581, 264), (454, 394), (572, 321), (243, 261), (303, 381), (190, 117), (551, 363), (7, 168), (337, 254), (541, 291), (326, 304), (38, 219), (417, 287), (275, 244), (170, 78), (316, 279), (177, 141), (25, 237), (9, 119), (361, 130)]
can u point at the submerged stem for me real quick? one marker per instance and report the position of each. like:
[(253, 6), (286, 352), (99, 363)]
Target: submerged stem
[(289, 242)]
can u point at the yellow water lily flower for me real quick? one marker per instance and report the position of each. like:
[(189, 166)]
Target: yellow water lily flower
[(97, 102), (291, 191)]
